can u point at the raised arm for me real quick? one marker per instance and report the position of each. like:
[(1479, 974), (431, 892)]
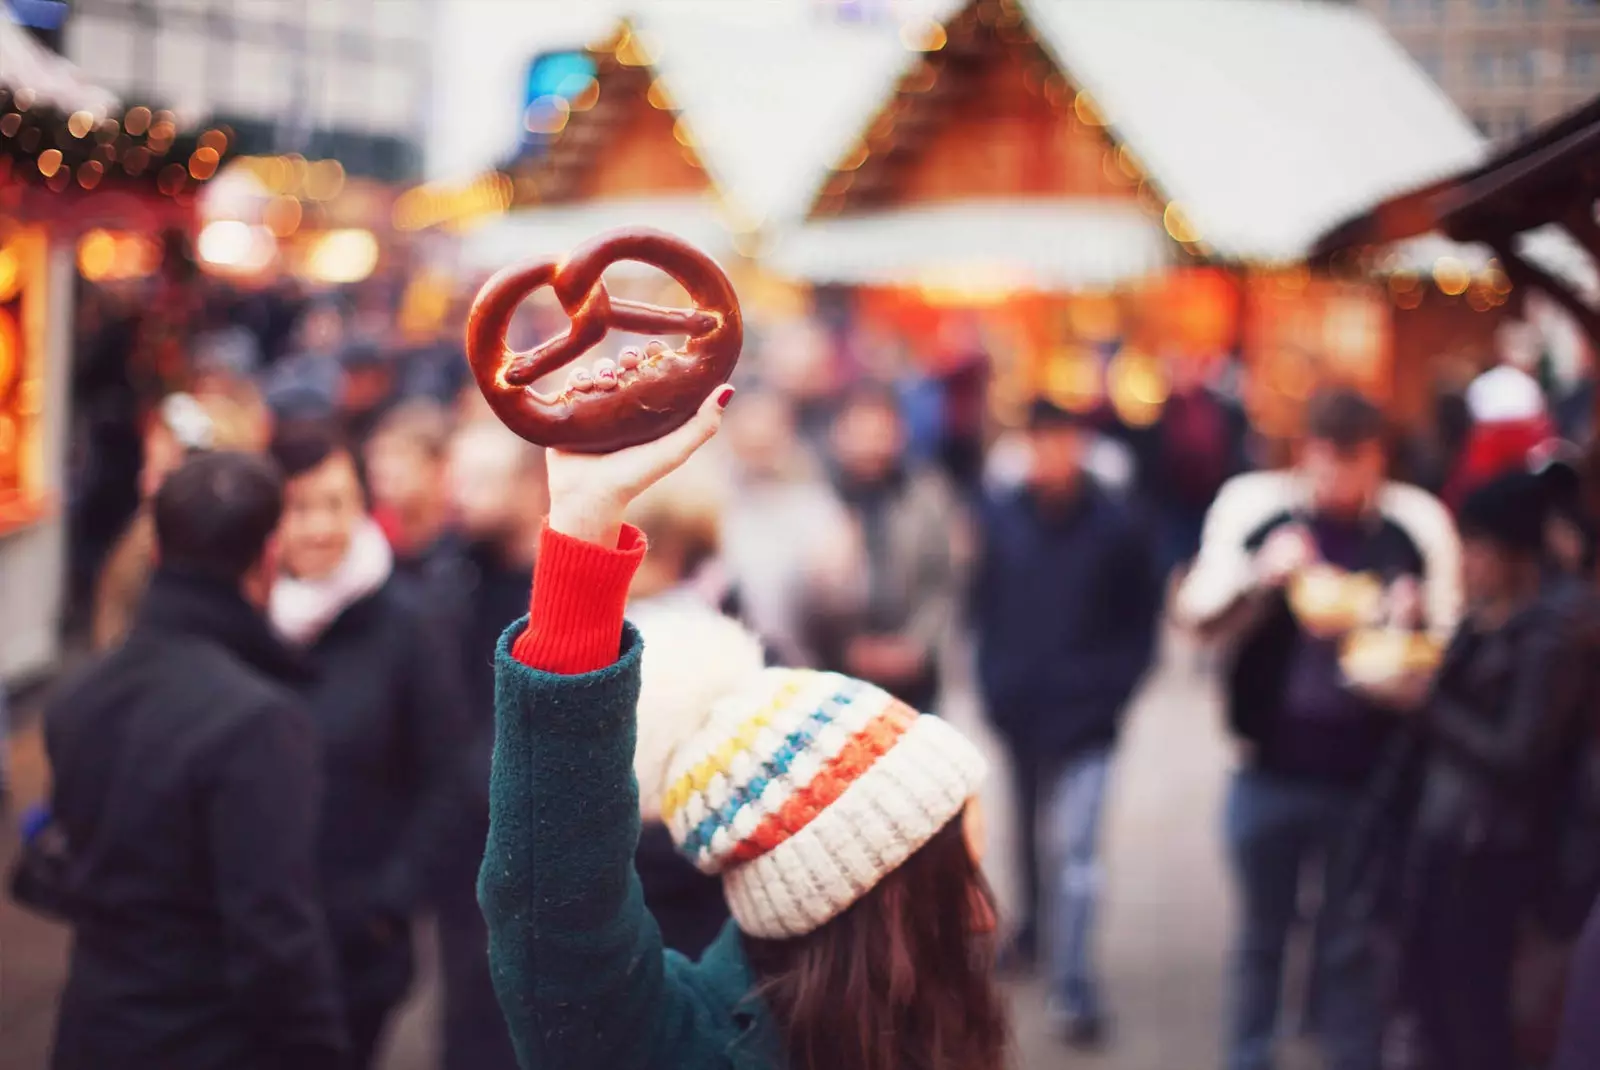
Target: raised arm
[(577, 960)]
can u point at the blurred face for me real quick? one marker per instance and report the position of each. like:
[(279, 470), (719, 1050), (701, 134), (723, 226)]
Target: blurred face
[(321, 510), (868, 440), (1487, 572), (1057, 457), (162, 454), (761, 435), (1344, 481), (401, 474), (482, 477)]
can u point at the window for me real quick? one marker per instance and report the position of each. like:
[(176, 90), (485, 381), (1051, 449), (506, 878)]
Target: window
[(1580, 62), (1483, 67), (1519, 66)]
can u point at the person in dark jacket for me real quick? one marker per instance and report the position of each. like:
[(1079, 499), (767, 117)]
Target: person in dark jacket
[(1498, 729), (1310, 745), (498, 497), (1579, 1047), (1066, 599), (187, 782), (387, 704)]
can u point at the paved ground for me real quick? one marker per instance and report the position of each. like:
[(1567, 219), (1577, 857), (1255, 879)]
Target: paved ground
[(1166, 919)]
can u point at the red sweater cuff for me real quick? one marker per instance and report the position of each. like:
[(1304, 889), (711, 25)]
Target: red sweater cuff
[(579, 593)]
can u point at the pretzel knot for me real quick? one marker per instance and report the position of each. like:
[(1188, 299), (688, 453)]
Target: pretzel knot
[(659, 395)]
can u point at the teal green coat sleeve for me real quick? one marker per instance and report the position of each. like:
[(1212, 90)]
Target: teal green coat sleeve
[(576, 958)]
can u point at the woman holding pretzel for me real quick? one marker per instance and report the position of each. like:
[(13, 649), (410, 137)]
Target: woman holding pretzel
[(840, 821)]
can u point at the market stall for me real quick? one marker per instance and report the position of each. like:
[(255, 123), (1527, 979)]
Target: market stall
[(1098, 189), (87, 186)]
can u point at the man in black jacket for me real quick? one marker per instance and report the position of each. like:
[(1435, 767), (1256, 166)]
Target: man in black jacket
[(186, 783), (1066, 601)]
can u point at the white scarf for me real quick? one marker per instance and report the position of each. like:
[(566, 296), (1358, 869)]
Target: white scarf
[(302, 609)]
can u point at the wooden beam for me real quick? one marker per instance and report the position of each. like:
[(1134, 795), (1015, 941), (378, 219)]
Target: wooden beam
[(1523, 273)]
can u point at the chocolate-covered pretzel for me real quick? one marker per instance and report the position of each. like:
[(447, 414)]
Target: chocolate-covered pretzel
[(655, 393)]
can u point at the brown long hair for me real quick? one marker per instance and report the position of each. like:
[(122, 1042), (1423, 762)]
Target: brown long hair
[(902, 980)]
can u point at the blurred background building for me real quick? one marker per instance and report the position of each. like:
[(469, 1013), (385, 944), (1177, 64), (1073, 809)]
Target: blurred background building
[(1510, 65), (332, 79)]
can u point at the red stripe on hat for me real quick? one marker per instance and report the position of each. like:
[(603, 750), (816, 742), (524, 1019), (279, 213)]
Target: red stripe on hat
[(843, 769)]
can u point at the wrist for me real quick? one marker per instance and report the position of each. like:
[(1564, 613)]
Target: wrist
[(591, 522)]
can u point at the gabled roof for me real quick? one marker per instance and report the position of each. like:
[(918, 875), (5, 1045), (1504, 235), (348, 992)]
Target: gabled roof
[(766, 106), (1264, 121), (772, 104)]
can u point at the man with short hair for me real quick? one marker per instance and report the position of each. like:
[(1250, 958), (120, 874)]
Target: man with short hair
[(187, 786), (1065, 609), (1310, 744)]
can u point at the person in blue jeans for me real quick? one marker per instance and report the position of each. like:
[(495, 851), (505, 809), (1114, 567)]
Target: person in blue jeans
[(1065, 605), (1310, 744)]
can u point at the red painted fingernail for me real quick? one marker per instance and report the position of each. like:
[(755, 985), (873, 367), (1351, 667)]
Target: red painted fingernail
[(724, 396)]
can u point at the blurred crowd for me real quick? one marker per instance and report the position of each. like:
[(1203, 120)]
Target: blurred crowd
[(876, 526)]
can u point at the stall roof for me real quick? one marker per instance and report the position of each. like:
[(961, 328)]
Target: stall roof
[(771, 105), (555, 229), (25, 64), (1265, 120), (1022, 244)]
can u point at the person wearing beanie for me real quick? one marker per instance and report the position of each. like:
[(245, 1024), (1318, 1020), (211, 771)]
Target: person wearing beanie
[(1510, 420), (1496, 733), (836, 817)]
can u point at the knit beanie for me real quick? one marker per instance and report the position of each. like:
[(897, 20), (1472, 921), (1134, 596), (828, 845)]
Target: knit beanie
[(1509, 510), (804, 789)]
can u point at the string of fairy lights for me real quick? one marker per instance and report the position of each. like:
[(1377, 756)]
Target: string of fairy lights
[(43, 145)]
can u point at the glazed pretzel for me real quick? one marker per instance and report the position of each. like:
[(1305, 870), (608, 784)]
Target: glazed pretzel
[(658, 395)]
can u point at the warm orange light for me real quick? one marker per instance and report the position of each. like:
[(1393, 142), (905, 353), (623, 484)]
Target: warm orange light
[(137, 121), (923, 35), (324, 180), (171, 179), (1451, 276), (90, 174), (10, 274), (80, 123), (282, 216), (215, 140), (658, 96), (1178, 225), (49, 162), (97, 255), (1088, 113), (203, 163)]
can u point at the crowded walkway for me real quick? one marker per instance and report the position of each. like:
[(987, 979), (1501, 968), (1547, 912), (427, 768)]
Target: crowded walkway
[(1166, 925)]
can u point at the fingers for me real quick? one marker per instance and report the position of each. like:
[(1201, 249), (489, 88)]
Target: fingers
[(628, 359), (655, 348), (605, 375), (581, 381), (671, 450)]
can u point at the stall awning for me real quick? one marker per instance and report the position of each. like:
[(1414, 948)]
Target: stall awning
[(1032, 244), (1266, 120), (1532, 205), (555, 230)]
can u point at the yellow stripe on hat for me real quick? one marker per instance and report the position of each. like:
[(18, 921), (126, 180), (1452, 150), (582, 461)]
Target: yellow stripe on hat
[(699, 777)]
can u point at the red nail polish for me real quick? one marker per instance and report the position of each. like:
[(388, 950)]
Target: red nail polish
[(724, 396)]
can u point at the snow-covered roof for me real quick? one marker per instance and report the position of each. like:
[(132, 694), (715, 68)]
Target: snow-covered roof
[(771, 104), (1030, 244), (1267, 121), (26, 64), (557, 229)]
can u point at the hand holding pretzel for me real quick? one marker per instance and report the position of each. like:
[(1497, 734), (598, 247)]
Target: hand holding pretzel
[(612, 406)]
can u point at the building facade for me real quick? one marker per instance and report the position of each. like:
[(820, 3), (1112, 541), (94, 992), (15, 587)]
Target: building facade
[(1509, 64), (344, 78)]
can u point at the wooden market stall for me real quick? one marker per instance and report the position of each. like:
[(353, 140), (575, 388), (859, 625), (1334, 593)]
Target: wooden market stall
[(86, 185), (1106, 189)]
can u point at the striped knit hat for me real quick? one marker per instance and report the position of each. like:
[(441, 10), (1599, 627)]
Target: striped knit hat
[(804, 789)]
